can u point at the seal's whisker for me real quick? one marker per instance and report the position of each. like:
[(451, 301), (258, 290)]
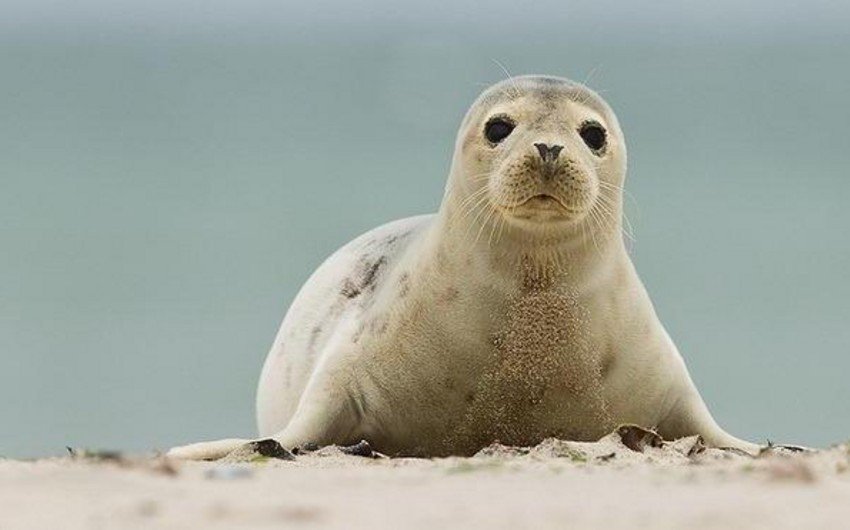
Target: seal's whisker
[(589, 76), (480, 176), (502, 223), (628, 228), (476, 195), (478, 215), (584, 86), (584, 237), (497, 221), (625, 192), (592, 214), (492, 231), (472, 215), (453, 185), (607, 205), (610, 204), (591, 221), (490, 211), (608, 211), (517, 91), (472, 206), (472, 196), (498, 225)]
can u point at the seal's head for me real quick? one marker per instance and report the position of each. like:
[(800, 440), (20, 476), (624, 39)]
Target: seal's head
[(542, 153)]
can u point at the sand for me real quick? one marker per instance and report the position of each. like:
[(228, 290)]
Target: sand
[(553, 485)]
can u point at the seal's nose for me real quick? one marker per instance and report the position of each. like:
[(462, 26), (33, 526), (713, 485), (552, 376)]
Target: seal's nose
[(549, 153)]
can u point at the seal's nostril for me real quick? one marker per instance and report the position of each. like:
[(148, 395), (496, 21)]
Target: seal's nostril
[(549, 153), (543, 149)]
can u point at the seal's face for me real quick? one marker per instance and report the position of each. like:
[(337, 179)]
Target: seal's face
[(543, 151)]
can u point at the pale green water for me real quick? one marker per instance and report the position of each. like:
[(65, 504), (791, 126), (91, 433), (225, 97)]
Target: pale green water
[(163, 196)]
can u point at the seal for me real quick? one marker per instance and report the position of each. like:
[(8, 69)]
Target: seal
[(513, 314)]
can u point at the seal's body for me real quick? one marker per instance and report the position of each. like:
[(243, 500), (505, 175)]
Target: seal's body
[(513, 314)]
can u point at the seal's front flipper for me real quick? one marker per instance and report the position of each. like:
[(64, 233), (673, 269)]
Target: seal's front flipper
[(231, 450), (206, 450), (690, 416), (328, 414), (259, 449)]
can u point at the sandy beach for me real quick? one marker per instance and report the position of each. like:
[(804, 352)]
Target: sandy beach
[(622, 481)]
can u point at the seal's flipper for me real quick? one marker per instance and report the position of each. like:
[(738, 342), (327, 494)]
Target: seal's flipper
[(206, 450), (690, 416)]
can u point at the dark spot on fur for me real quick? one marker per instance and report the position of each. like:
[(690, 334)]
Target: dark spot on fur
[(548, 80), (552, 96), (470, 397), (607, 365), (390, 240), (449, 295), (359, 333), (372, 272), (368, 277), (442, 259), (314, 336), (404, 285), (378, 325), (349, 290)]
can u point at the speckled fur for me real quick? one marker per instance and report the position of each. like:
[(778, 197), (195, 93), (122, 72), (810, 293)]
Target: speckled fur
[(513, 314)]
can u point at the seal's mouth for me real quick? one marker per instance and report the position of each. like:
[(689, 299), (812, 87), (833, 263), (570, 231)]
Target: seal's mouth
[(542, 207), (543, 201)]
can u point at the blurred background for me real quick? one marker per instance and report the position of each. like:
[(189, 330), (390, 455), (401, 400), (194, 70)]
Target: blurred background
[(171, 171)]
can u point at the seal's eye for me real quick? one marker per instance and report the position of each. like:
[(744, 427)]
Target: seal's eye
[(497, 129), (593, 135)]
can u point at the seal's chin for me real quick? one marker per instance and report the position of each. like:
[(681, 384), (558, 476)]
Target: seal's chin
[(542, 208)]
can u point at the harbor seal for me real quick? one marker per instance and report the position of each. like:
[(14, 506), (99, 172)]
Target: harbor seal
[(513, 314)]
